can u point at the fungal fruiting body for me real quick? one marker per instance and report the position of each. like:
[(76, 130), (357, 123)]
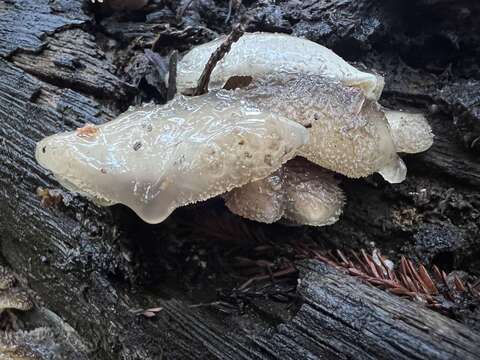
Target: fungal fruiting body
[(411, 132), (157, 158), (349, 134), (287, 96), (262, 200), (300, 192), (313, 196), (265, 54)]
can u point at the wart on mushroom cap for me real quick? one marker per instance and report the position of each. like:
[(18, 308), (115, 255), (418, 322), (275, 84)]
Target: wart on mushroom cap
[(300, 192), (157, 158), (261, 54), (349, 134)]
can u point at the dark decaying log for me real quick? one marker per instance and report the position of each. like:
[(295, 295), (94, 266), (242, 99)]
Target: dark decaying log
[(344, 318), (60, 66)]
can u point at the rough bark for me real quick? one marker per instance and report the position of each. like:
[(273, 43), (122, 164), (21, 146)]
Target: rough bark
[(60, 66), (344, 318)]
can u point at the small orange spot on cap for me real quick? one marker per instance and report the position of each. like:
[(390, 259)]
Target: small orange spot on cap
[(87, 131)]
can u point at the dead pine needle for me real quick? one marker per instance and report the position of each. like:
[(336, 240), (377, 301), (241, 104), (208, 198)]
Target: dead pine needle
[(218, 54), (410, 281)]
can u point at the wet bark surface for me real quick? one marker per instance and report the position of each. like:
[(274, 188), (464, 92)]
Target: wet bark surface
[(64, 63)]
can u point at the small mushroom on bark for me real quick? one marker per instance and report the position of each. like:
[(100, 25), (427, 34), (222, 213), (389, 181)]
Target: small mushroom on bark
[(157, 158), (300, 192), (257, 55)]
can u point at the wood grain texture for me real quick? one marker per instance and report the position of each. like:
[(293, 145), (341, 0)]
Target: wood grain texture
[(55, 75)]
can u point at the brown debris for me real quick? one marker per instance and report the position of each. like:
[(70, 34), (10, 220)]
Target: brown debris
[(148, 313), (407, 281), (49, 197), (236, 82), (223, 49), (87, 131)]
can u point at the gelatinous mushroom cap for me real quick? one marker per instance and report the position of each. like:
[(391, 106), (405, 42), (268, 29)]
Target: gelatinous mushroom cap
[(411, 132), (260, 54), (157, 158), (300, 192), (349, 134)]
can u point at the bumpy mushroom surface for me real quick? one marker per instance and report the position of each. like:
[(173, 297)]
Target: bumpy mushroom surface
[(300, 192), (157, 158), (411, 132), (260, 54), (349, 134)]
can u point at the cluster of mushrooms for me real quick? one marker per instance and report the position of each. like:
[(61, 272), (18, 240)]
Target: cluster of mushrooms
[(281, 116)]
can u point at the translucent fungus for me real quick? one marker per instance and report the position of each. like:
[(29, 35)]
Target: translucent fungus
[(411, 132), (300, 192), (349, 134), (157, 158), (266, 54)]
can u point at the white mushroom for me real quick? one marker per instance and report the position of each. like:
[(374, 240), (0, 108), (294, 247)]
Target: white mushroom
[(349, 134), (411, 132), (157, 158), (261, 54), (300, 192), (262, 200)]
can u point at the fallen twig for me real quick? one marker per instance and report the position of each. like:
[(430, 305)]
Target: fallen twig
[(218, 54), (172, 75)]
